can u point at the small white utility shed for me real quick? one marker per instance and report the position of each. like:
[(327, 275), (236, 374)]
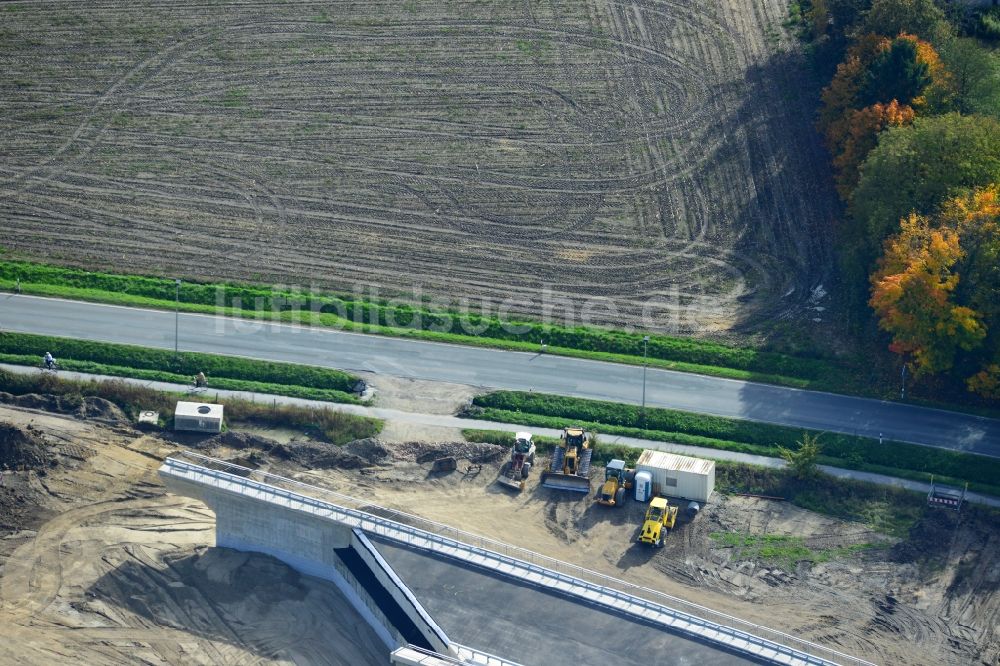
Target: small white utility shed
[(198, 416), (679, 476)]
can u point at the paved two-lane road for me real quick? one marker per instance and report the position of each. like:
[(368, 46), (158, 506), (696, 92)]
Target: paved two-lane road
[(501, 369)]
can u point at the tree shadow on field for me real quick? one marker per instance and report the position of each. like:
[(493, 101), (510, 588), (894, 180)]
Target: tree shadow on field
[(248, 600), (783, 247)]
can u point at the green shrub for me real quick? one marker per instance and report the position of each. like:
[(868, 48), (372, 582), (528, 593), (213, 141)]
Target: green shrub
[(332, 426), (335, 427), (186, 365), (366, 314)]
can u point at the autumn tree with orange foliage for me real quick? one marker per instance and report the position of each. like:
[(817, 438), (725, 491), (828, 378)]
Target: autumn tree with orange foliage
[(861, 135), (936, 290), (882, 83)]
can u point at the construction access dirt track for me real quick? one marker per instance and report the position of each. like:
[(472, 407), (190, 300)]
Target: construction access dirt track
[(655, 153)]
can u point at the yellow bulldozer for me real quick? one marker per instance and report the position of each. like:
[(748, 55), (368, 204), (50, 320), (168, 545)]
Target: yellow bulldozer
[(617, 478), (660, 519), (570, 466)]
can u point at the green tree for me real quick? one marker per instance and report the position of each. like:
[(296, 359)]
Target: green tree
[(845, 14), (917, 17), (895, 74), (975, 76), (915, 167), (802, 461)]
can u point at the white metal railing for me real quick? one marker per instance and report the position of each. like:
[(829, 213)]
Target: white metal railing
[(419, 532), (466, 657), (477, 657)]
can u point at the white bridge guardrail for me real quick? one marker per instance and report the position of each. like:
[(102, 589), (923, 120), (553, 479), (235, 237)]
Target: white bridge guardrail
[(417, 532), (466, 656)]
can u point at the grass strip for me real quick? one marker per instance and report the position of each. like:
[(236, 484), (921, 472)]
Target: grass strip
[(910, 461), (402, 320), (785, 550), (224, 372), (319, 422)]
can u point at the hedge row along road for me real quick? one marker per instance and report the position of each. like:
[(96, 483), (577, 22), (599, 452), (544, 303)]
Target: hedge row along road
[(503, 370)]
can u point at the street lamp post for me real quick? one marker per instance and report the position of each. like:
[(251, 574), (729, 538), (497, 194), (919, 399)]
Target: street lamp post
[(177, 315), (645, 346), (902, 390)]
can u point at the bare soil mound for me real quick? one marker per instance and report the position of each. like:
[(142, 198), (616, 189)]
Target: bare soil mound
[(372, 450), (89, 407), (20, 447), (19, 506), (929, 538), (309, 454), (357, 455), (105, 410), (427, 452)]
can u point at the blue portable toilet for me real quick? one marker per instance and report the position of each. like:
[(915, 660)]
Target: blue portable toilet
[(643, 486)]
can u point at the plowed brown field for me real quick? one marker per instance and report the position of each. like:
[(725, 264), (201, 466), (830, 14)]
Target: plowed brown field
[(644, 151)]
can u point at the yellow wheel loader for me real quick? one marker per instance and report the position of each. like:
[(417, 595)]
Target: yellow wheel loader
[(660, 519), (570, 466), (616, 480)]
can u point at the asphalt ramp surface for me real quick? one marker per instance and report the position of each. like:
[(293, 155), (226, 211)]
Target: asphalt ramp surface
[(532, 626)]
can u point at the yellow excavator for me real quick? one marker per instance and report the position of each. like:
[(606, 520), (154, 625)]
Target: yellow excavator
[(570, 466), (660, 519), (616, 480)]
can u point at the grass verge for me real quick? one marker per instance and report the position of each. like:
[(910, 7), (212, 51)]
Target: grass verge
[(898, 459), (322, 423), (224, 372), (785, 550), (399, 320)]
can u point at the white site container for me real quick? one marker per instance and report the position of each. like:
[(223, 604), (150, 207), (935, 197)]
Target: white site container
[(643, 486), (678, 476), (198, 416)]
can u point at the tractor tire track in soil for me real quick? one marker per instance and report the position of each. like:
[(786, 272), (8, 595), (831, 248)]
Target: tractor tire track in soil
[(634, 151)]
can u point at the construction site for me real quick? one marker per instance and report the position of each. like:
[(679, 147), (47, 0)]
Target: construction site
[(102, 562), (639, 165)]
